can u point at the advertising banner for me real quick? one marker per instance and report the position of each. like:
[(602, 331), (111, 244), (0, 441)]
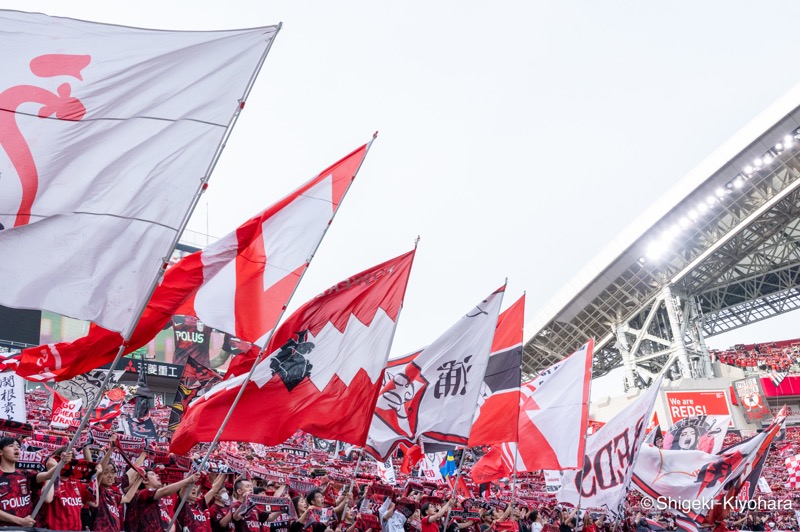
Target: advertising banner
[(696, 403)]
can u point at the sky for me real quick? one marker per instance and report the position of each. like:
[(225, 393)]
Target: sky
[(517, 138)]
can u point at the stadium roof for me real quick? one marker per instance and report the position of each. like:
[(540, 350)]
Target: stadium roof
[(727, 234)]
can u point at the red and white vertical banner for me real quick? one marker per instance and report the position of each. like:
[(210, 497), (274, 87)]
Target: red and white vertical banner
[(12, 397)]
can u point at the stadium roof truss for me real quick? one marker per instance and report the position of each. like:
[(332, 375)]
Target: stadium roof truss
[(719, 251)]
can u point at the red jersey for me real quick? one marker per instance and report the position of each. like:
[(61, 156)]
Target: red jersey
[(217, 513), (506, 526), (428, 526), (15, 492), (109, 518), (195, 517), (64, 513)]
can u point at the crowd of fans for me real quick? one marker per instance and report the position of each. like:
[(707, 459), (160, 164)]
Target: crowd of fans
[(116, 480), (771, 356)]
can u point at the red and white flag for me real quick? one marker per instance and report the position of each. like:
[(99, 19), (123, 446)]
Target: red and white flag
[(605, 474), (552, 417), (498, 403), (793, 470), (239, 284), (432, 398), (105, 136), (323, 372)]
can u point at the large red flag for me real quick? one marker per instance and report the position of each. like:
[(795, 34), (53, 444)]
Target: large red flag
[(323, 373), (498, 410), (239, 285)]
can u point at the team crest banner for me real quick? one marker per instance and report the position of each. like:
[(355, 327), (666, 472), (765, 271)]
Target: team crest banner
[(750, 396)]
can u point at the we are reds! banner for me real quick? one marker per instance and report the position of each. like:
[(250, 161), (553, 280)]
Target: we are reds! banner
[(696, 403)]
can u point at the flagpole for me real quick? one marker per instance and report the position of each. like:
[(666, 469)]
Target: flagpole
[(249, 376), (202, 186), (464, 453), (455, 485), (352, 482), (519, 406)]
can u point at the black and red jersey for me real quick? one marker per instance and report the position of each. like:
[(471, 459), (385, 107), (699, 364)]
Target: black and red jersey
[(109, 517), (16, 490), (192, 339), (195, 517)]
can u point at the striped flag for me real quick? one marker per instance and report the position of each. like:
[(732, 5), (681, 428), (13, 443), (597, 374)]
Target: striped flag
[(9, 361), (103, 416), (777, 377)]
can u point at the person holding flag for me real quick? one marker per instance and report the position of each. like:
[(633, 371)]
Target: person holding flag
[(432, 514)]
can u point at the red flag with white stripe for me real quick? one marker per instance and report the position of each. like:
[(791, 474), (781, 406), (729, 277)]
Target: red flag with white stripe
[(498, 404), (323, 373), (239, 284), (553, 416)]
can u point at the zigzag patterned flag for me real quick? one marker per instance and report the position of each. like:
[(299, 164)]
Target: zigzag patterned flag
[(324, 370)]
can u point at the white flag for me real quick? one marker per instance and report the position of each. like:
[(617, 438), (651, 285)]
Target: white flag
[(433, 397), (386, 472), (431, 466), (610, 456), (106, 135)]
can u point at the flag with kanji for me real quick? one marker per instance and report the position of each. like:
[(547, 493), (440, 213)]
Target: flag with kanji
[(240, 284), (323, 371), (432, 398), (106, 135)]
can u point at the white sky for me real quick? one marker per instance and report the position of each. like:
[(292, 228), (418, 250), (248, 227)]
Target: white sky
[(517, 138)]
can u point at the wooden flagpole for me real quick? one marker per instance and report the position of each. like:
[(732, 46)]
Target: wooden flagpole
[(202, 186)]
